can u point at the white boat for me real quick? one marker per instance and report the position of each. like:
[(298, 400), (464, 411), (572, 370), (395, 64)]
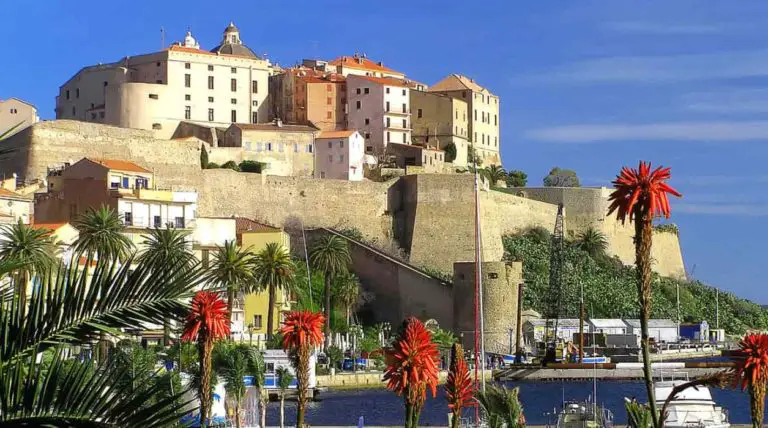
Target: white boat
[(693, 408), (584, 415)]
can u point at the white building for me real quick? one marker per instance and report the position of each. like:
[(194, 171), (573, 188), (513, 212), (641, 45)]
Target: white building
[(340, 155), (659, 330), (155, 91), (379, 108), (606, 326)]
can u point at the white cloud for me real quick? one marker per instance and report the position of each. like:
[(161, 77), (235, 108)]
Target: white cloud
[(660, 69), (722, 209), (669, 131), (639, 27), (728, 101)]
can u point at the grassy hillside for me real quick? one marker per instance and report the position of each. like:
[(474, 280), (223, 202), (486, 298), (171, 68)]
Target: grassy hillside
[(610, 290)]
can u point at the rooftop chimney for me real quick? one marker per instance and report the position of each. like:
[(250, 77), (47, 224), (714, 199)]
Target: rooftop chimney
[(381, 63)]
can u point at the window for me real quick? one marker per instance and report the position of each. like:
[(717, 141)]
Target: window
[(210, 115), (101, 115), (156, 221), (367, 121), (234, 116), (210, 82), (269, 147), (388, 123), (330, 144), (187, 112), (159, 81), (418, 113), (309, 148), (254, 117), (369, 149), (233, 85), (405, 123), (388, 137), (475, 114), (330, 158), (93, 116), (387, 108), (295, 147), (457, 114), (106, 84), (341, 158), (233, 100), (280, 147), (405, 138), (358, 93), (496, 141), (463, 94), (367, 90), (187, 80), (157, 64), (255, 103), (153, 96), (387, 90), (234, 70), (210, 68), (405, 108), (322, 174), (328, 101), (341, 144), (187, 97), (255, 86), (77, 93), (258, 146), (329, 115), (357, 104), (128, 218), (210, 99), (367, 135), (187, 65), (68, 93), (329, 87), (74, 111), (157, 126), (496, 120), (475, 139), (178, 222), (403, 91)]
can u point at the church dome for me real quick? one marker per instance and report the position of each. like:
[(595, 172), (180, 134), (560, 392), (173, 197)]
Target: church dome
[(232, 45)]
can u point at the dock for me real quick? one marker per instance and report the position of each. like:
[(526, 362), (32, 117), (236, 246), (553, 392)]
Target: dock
[(608, 371)]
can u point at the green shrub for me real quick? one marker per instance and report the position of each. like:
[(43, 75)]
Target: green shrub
[(203, 158), (450, 152), (252, 166), (668, 228), (212, 165), (517, 178)]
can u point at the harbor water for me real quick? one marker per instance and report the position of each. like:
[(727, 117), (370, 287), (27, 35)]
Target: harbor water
[(383, 408)]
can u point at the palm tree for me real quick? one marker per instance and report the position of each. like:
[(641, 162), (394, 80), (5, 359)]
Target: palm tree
[(348, 293), (752, 370), (31, 251), (494, 174), (206, 323), (330, 254), (64, 310), (166, 246), (274, 271), (231, 269), (412, 368), (641, 195), (233, 362), (284, 379), (302, 331), (100, 233), (458, 386), (592, 241), (501, 407)]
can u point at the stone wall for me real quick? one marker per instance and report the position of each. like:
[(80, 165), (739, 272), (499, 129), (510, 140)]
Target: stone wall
[(44, 144)]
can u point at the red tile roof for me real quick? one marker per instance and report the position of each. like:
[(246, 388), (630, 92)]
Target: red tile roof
[(8, 193), (120, 165), (388, 81), (336, 134), (243, 224), (362, 63)]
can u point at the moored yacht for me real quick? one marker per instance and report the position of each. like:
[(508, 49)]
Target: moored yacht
[(694, 407)]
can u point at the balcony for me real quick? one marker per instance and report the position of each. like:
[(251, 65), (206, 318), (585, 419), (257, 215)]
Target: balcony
[(397, 112), (140, 222)]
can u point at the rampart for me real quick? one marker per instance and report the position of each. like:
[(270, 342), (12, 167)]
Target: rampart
[(428, 215)]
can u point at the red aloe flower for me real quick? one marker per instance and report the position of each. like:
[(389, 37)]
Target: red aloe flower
[(302, 331), (640, 195), (206, 323), (412, 367), (459, 387), (752, 371)]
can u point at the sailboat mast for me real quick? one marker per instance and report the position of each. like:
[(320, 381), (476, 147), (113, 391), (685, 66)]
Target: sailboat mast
[(479, 321)]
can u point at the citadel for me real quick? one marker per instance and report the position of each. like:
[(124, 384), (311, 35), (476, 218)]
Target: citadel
[(342, 144)]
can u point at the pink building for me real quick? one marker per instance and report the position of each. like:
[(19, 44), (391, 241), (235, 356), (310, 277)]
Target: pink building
[(339, 155), (379, 107)]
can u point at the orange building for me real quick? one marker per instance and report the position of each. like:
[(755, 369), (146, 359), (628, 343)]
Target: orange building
[(310, 95)]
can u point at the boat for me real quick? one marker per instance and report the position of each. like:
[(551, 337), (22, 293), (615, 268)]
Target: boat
[(584, 415), (694, 407)]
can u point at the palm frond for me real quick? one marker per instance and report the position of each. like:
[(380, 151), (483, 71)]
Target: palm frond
[(273, 267), (69, 393), (330, 254), (166, 245), (72, 305), (231, 268), (100, 231)]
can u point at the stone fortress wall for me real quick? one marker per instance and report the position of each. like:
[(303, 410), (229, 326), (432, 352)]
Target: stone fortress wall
[(428, 215)]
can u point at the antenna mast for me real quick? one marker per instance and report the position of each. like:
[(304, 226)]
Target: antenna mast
[(162, 38)]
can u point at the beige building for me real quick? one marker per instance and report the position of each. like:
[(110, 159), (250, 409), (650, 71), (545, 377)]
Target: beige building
[(15, 207), (379, 108), (311, 97), (483, 112), (228, 84), (16, 115), (429, 160), (340, 155), (439, 120), (121, 185), (359, 64), (284, 149)]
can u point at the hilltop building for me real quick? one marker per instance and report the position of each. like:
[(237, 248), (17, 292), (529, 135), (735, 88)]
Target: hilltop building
[(439, 120), (156, 91), (340, 155), (483, 112), (309, 96), (360, 65), (15, 115), (121, 185), (379, 107)]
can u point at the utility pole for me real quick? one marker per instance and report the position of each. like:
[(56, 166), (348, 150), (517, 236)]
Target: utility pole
[(717, 308), (162, 38), (519, 325), (581, 323)]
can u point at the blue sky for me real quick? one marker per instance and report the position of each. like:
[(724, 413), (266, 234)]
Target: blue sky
[(588, 85)]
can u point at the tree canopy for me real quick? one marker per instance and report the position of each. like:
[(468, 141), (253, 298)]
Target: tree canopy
[(517, 178), (560, 177)]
